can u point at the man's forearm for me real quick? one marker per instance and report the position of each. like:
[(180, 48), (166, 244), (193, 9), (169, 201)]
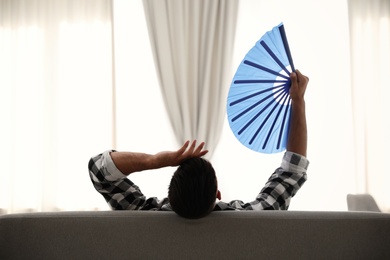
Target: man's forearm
[(297, 140), (129, 162)]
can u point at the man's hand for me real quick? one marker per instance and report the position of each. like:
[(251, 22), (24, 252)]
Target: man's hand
[(298, 86), (187, 151)]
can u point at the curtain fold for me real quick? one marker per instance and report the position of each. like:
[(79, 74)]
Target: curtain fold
[(192, 44), (369, 23)]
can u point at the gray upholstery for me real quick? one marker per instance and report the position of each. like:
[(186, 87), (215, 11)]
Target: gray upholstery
[(222, 235), (362, 202)]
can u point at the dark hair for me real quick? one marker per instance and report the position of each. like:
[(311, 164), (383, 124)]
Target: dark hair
[(193, 188)]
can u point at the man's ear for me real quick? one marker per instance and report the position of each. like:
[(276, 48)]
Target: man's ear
[(218, 195)]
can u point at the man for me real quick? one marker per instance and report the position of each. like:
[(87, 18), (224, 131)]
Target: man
[(193, 189)]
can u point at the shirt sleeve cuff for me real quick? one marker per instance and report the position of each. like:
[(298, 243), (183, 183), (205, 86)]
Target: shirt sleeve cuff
[(111, 172), (293, 162)]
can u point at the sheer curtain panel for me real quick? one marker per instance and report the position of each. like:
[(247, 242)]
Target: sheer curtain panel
[(369, 23), (192, 43), (55, 80)]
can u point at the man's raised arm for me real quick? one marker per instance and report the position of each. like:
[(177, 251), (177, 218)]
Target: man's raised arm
[(297, 139)]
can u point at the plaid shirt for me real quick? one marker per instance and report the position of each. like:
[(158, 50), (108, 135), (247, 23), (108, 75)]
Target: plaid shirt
[(122, 194)]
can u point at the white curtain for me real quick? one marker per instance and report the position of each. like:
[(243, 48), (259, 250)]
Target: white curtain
[(369, 22), (56, 106), (55, 101), (192, 44)]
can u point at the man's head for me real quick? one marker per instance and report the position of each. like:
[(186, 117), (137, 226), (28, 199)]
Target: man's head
[(193, 188)]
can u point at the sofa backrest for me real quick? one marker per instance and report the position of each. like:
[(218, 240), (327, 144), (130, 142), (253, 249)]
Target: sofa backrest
[(222, 235)]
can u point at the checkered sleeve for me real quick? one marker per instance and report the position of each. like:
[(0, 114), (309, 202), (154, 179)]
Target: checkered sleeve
[(119, 192), (279, 189), (283, 184)]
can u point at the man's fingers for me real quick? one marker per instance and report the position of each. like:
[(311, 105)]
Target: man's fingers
[(192, 150), (184, 147), (298, 79), (199, 148), (199, 152), (203, 153), (187, 149), (301, 77), (294, 78), (192, 147)]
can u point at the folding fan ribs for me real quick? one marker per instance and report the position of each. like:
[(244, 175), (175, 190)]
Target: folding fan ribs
[(259, 104)]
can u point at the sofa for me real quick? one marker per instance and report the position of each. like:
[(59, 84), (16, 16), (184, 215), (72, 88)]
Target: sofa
[(221, 235)]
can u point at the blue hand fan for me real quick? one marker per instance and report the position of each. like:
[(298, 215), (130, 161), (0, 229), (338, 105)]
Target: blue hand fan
[(258, 104)]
